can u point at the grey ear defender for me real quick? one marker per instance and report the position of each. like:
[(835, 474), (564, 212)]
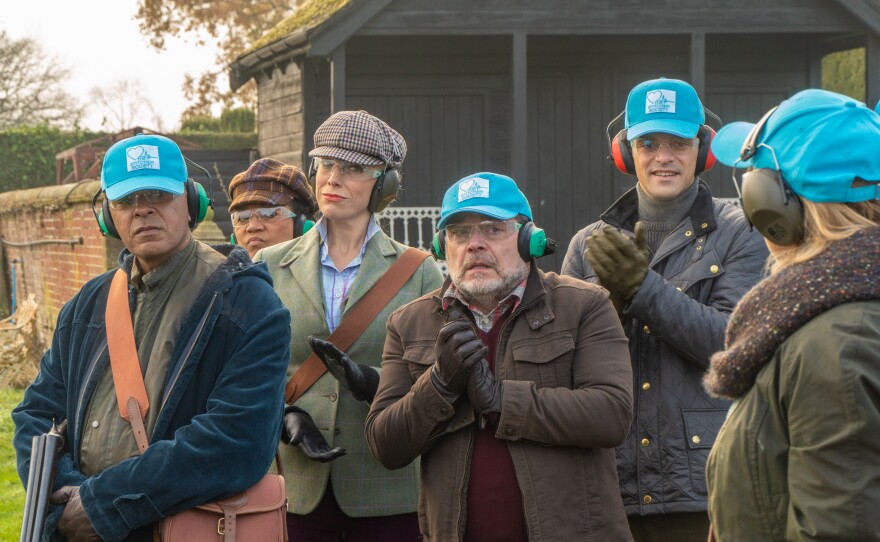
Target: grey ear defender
[(767, 201), (772, 208)]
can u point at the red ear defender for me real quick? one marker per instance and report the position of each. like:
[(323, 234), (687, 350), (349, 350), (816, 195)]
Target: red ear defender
[(705, 158), (622, 155)]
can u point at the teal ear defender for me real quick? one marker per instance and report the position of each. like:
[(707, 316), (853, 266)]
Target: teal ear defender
[(531, 242)]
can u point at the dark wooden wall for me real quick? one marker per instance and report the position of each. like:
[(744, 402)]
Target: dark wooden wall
[(223, 166), (451, 95), (625, 17), (281, 113), (454, 107)]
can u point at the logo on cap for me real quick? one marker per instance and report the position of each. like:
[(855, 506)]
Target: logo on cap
[(142, 157), (660, 101), (473, 188)]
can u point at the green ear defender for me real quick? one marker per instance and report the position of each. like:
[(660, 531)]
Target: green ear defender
[(198, 208), (301, 225), (438, 245), (532, 242)]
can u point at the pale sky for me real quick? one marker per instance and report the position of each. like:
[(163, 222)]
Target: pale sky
[(100, 43)]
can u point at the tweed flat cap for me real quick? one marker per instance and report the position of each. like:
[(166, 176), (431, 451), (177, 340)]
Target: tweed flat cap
[(271, 182), (359, 138)]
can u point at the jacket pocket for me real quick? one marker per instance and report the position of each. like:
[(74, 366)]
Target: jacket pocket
[(419, 357), (532, 359), (700, 431)]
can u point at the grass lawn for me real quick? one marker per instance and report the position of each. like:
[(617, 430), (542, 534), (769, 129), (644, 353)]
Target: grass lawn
[(11, 490)]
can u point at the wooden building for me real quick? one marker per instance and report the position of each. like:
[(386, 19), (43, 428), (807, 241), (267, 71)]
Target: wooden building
[(527, 88)]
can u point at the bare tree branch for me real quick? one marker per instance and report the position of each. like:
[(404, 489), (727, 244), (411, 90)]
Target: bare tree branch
[(123, 104), (32, 87)]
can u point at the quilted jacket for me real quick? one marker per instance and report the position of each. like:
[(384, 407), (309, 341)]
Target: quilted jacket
[(675, 322)]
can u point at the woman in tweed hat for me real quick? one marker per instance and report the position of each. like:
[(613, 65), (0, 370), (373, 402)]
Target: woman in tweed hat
[(320, 277), (271, 203)]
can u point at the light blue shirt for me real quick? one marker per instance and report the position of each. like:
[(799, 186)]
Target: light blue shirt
[(336, 284)]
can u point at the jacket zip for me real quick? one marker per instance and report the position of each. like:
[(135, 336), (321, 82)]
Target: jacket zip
[(82, 392), (463, 489), (189, 348)]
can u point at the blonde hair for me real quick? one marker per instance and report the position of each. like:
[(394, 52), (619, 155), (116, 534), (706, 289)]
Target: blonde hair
[(823, 224)]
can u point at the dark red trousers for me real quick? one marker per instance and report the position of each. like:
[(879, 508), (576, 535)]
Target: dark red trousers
[(328, 523)]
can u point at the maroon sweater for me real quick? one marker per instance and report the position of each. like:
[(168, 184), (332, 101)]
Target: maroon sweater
[(494, 500)]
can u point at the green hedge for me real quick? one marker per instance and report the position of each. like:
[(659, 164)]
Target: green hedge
[(844, 72), (220, 141), (27, 154)]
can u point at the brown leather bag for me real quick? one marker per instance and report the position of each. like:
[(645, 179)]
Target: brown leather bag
[(258, 513)]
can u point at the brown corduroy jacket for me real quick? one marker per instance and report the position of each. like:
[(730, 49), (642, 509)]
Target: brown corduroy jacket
[(567, 402)]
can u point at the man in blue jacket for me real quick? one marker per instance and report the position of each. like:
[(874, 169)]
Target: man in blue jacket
[(676, 261), (212, 340)]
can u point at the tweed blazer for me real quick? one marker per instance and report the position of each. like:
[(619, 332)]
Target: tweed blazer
[(361, 485)]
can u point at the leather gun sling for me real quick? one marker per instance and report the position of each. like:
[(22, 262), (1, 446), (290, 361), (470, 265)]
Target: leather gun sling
[(356, 321)]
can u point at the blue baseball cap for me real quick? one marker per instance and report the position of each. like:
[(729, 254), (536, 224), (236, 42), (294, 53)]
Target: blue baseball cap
[(827, 146), (490, 194), (667, 106), (143, 162)]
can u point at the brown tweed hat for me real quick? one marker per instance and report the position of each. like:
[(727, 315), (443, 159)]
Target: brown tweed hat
[(360, 138), (273, 183)]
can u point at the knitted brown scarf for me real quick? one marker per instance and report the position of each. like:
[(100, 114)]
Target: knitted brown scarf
[(848, 270)]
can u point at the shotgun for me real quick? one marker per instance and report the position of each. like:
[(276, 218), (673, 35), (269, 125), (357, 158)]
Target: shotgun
[(45, 452)]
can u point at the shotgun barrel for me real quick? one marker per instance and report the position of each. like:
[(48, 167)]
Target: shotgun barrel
[(45, 452)]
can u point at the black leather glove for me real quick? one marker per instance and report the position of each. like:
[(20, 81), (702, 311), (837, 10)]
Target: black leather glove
[(360, 380), (484, 391), (74, 524), (298, 429), (457, 349), (620, 263)]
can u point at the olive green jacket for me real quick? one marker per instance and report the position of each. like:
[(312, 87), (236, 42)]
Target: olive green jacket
[(799, 455), (362, 486)]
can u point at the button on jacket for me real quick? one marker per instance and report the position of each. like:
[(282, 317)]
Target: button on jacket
[(675, 322), (567, 401)]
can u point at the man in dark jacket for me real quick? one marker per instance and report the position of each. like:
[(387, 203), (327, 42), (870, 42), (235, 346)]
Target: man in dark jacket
[(676, 262), (512, 384), (212, 340)]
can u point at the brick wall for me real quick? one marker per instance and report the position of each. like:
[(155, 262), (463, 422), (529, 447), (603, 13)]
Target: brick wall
[(52, 234)]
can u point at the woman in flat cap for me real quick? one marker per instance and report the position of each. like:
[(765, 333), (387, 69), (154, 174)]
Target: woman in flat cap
[(271, 203)]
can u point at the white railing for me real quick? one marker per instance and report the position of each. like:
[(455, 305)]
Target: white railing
[(412, 226)]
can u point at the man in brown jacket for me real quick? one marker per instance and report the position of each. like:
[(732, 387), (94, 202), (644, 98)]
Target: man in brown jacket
[(514, 385)]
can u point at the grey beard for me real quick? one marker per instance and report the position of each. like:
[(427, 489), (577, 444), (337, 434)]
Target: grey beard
[(490, 293)]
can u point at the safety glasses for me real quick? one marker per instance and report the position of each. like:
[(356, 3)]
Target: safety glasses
[(651, 145), (324, 166), (491, 230), (146, 197), (261, 214)]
